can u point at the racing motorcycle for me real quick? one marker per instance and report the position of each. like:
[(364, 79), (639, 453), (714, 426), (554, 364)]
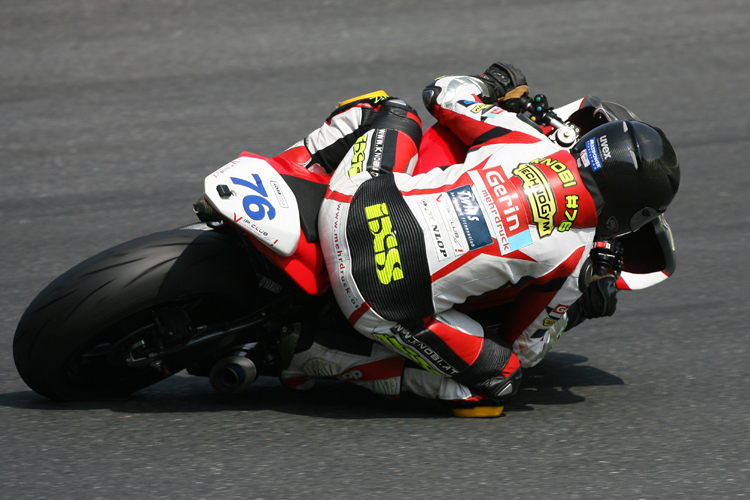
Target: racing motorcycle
[(214, 297)]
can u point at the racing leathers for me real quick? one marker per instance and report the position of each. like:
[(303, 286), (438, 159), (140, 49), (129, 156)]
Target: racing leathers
[(514, 223)]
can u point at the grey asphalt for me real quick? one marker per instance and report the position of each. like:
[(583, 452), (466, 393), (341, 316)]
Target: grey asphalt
[(113, 111)]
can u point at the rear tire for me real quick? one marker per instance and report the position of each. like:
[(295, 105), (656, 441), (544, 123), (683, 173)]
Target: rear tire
[(62, 341)]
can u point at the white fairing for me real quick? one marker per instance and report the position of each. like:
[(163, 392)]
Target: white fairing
[(564, 112), (259, 202), (632, 281)]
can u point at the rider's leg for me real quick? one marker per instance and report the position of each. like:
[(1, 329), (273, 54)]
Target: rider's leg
[(453, 345), (324, 148), (309, 354), (374, 250)]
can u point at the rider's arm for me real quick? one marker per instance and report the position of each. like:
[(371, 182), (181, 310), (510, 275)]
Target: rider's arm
[(456, 102), (599, 300), (465, 104), (532, 325)]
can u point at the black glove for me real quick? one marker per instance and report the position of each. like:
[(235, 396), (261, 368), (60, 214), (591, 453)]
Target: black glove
[(508, 86), (599, 300)]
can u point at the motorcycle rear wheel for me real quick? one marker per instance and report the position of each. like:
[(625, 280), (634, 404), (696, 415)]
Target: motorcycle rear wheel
[(69, 342)]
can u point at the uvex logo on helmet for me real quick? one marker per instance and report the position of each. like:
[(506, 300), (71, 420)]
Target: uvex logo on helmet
[(604, 147)]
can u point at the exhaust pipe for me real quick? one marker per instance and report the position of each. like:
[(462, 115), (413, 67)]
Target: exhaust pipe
[(233, 374)]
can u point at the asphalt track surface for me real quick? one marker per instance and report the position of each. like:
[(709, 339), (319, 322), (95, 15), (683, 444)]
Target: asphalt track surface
[(111, 114)]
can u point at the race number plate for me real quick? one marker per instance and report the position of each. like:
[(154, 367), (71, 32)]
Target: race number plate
[(249, 192)]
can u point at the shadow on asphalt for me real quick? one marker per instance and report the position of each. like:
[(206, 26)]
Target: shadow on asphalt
[(548, 383)]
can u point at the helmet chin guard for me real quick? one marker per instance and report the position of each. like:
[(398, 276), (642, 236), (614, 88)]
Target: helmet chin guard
[(635, 170)]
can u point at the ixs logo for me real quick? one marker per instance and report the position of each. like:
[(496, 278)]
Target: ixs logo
[(359, 156), (540, 196), (387, 258)]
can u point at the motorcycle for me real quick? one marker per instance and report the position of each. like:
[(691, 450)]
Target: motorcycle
[(214, 297)]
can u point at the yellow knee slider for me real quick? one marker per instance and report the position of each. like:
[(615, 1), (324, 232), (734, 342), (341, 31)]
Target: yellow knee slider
[(479, 412)]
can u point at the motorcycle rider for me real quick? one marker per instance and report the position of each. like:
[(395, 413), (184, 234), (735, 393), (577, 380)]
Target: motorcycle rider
[(514, 224)]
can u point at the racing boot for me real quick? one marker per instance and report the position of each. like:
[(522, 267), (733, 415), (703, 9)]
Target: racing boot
[(308, 354)]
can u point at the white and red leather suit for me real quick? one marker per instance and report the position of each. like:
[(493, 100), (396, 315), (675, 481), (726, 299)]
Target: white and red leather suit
[(406, 254)]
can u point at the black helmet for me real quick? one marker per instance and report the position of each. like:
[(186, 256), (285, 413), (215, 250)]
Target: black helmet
[(635, 170)]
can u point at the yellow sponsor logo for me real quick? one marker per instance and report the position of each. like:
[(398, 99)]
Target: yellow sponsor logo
[(387, 258), (549, 321), (540, 196), (480, 107), (566, 176), (571, 212), (389, 340), (359, 156)]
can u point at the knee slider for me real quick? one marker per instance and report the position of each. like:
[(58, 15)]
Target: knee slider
[(429, 97), (398, 107), (394, 115)]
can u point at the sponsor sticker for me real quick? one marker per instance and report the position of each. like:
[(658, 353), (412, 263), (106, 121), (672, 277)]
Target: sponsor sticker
[(387, 259), (376, 155), (359, 156), (571, 212), (390, 340), (352, 374), (604, 146), (469, 213), (342, 258), (452, 224), (435, 229), (504, 207), (540, 197), (555, 314), (480, 107), (466, 103), (279, 194), (539, 334), (418, 351), (563, 172), (592, 155)]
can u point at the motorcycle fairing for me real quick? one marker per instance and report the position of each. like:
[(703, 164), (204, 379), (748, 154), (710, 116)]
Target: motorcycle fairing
[(650, 256), (590, 112), (252, 194)]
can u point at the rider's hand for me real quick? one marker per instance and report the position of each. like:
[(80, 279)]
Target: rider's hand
[(508, 86), (599, 300)]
